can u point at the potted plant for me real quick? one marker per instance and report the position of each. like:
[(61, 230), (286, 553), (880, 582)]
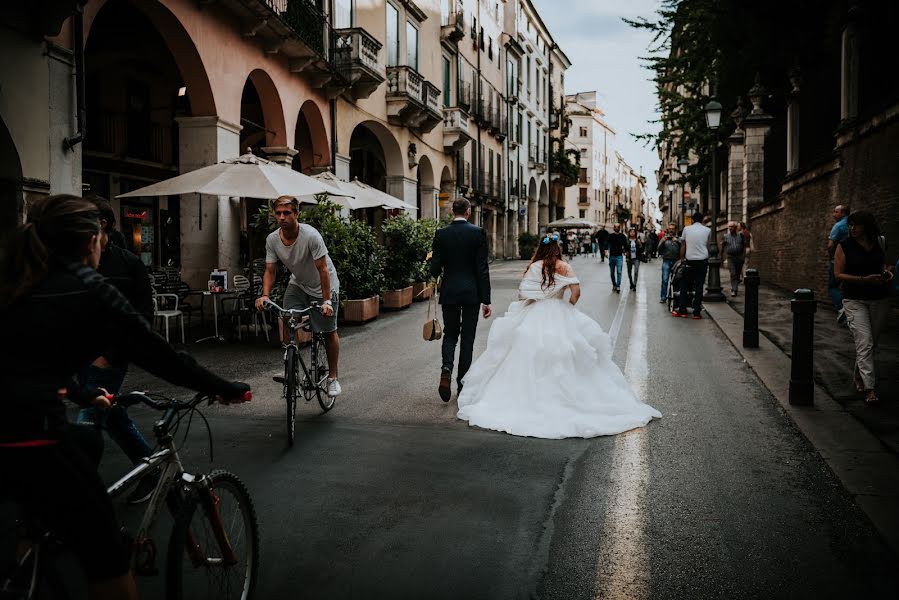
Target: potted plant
[(527, 243), (401, 245), (357, 257), (422, 289)]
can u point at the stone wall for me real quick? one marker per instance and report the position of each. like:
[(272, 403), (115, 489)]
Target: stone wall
[(790, 231)]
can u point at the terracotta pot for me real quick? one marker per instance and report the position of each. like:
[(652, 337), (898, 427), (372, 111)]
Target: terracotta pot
[(397, 299), (360, 311), (421, 291)]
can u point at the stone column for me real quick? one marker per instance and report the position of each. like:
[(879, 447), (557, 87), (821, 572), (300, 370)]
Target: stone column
[(736, 203), (532, 224), (342, 166), (283, 155), (512, 227), (404, 188), (757, 126), (793, 121), (210, 227), (65, 164), (429, 208), (849, 64), (542, 216)]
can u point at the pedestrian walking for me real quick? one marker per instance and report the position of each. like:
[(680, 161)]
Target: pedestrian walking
[(572, 244), (125, 272), (459, 255), (695, 250), (838, 233), (602, 242), (617, 243), (733, 246), (635, 253), (669, 250), (860, 265)]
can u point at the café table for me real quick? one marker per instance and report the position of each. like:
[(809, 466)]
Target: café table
[(215, 312)]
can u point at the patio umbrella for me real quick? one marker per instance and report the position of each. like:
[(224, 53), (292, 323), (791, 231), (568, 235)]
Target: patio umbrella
[(572, 223), (361, 195), (247, 176)]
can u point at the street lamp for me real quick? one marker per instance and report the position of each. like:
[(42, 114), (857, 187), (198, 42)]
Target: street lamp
[(671, 196), (713, 289), (682, 165)]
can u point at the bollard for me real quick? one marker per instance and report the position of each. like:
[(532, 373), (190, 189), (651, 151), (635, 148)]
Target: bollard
[(751, 309), (802, 384)]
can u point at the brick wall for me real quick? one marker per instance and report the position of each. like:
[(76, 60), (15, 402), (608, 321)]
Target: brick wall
[(790, 231)]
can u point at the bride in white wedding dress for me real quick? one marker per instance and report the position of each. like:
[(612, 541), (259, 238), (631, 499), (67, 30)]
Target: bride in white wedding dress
[(547, 371)]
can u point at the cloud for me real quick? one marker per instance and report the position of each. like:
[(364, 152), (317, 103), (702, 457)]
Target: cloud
[(605, 54)]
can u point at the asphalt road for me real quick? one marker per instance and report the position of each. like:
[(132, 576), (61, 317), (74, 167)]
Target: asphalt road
[(389, 496)]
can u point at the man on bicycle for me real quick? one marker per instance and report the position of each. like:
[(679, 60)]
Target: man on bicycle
[(312, 277)]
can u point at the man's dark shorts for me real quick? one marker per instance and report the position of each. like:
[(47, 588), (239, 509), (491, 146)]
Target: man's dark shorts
[(296, 297)]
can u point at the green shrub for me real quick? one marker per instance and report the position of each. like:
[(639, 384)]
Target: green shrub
[(424, 240), (527, 243), (401, 243)]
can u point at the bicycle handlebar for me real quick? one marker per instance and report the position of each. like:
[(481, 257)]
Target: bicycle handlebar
[(162, 403), (293, 312)]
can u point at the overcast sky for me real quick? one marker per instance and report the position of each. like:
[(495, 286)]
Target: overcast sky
[(604, 53)]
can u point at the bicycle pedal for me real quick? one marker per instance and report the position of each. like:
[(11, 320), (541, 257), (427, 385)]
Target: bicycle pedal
[(278, 379)]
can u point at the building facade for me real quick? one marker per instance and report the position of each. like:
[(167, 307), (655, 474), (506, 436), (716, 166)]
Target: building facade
[(594, 141)]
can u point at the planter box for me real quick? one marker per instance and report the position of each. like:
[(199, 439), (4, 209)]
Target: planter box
[(397, 299), (359, 311), (421, 291)]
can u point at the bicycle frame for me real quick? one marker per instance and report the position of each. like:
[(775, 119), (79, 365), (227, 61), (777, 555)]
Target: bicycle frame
[(297, 318)]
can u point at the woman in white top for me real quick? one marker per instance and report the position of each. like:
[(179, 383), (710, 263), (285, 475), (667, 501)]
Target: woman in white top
[(633, 253), (547, 371)]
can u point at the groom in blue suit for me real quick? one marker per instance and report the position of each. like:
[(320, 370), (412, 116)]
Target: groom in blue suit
[(459, 254)]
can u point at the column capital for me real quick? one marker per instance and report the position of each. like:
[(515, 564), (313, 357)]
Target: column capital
[(207, 121), (283, 155)]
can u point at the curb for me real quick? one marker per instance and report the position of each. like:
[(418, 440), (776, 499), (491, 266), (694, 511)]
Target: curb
[(865, 467)]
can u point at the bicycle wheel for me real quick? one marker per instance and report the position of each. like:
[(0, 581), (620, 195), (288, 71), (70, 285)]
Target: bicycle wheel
[(214, 549), (319, 370), (291, 389)]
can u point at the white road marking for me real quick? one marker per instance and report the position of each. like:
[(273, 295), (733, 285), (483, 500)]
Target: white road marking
[(623, 568)]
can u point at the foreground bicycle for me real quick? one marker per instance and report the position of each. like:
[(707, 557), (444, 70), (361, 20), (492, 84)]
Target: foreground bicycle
[(314, 380), (213, 548)]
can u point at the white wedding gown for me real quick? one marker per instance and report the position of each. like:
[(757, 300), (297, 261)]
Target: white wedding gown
[(547, 372)]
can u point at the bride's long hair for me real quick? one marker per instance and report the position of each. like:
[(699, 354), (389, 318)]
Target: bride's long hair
[(550, 252)]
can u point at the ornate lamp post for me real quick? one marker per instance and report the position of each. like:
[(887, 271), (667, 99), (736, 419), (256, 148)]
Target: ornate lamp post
[(671, 196), (713, 286), (682, 164)]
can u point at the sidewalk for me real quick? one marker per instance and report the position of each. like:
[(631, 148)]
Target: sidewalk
[(859, 443)]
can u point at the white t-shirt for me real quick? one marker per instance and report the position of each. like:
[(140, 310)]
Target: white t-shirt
[(300, 257), (696, 236)]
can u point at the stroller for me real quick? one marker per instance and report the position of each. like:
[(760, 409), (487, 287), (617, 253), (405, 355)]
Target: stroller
[(679, 270)]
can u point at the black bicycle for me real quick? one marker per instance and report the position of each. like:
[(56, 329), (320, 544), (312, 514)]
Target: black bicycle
[(213, 548), (308, 375)]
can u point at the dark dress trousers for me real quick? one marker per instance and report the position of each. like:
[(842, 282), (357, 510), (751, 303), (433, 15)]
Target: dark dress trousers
[(459, 255)]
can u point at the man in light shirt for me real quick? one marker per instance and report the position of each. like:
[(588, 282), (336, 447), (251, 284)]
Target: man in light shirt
[(695, 251)]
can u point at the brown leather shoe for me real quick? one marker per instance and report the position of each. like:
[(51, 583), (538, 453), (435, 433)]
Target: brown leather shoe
[(444, 388)]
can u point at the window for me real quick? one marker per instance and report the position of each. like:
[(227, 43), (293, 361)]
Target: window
[(411, 45), (583, 132), (447, 82), (393, 36), (583, 153), (343, 13), (581, 214), (490, 49)]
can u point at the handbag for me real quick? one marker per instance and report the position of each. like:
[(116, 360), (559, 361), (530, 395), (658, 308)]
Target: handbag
[(432, 330)]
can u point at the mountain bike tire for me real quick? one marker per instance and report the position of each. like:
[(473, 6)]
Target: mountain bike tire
[(195, 534)]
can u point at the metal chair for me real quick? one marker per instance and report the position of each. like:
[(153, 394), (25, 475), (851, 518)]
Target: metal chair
[(165, 307), (244, 305)]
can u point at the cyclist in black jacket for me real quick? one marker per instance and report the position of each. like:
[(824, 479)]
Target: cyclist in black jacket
[(56, 316)]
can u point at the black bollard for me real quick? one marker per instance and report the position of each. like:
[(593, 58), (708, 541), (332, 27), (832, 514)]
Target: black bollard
[(751, 309), (802, 383)]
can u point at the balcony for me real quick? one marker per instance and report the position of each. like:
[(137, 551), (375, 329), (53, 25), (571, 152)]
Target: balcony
[(513, 190), (463, 99), (355, 56), (455, 129), (296, 29), (463, 175), (120, 137), (452, 26), (532, 156), (497, 124), (411, 101)]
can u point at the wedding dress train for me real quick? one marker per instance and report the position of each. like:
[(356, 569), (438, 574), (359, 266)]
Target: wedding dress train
[(547, 372)]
